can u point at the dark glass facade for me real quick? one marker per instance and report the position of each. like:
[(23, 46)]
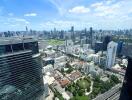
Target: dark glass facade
[(98, 46), (20, 72), (126, 92), (119, 48), (106, 40)]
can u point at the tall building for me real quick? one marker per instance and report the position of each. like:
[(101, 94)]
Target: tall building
[(119, 48), (20, 69), (111, 54), (26, 29), (98, 46), (85, 31), (127, 49), (91, 36), (106, 40), (126, 91), (72, 34)]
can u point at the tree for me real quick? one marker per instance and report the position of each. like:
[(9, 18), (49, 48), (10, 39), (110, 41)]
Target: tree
[(74, 93), (97, 79), (80, 92), (115, 79), (88, 89), (66, 88), (62, 70), (96, 91)]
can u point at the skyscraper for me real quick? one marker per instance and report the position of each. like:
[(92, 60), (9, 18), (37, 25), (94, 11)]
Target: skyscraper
[(106, 40), (26, 29), (72, 34), (111, 54), (91, 36), (20, 69), (98, 46), (119, 48)]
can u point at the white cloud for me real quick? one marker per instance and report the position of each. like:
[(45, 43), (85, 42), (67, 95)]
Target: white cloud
[(79, 10), (108, 2), (61, 6), (13, 23), (106, 8), (18, 20), (98, 4), (30, 14), (65, 24), (58, 24), (11, 14)]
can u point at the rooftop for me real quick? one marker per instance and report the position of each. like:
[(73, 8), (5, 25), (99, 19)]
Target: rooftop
[(64, 82), (75, 75), (15, 40)]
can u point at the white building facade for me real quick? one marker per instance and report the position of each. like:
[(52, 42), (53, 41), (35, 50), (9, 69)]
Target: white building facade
[(111, 54)]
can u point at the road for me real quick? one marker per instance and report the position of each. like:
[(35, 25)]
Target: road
[(109, 93), (115, 96)]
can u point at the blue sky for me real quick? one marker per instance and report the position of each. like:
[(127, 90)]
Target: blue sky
[(62, 14)]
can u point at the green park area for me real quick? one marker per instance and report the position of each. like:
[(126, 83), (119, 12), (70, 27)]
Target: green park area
[(84, 84), (80, 98), (55, 42), (79, 88)]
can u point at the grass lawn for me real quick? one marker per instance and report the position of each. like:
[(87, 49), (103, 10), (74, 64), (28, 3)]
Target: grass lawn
[(80, 98), (84, 84), (55, 42)]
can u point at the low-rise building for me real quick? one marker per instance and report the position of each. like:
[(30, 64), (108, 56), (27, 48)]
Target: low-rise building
[(91, 68), (96, 72), (65, 96), (74, 75), (49, 53), (60, 62), (50, 79), (94, 57), (64, 82), (48, 60), (48, 68)]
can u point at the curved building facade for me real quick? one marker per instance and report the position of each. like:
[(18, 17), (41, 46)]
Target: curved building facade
[(20, 72)]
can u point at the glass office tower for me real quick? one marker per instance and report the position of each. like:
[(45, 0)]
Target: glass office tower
[(20, 70)]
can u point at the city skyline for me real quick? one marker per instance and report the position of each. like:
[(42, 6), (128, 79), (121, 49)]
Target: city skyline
[(62, 14)]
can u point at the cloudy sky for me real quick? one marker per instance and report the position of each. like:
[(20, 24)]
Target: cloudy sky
[(62, 14)]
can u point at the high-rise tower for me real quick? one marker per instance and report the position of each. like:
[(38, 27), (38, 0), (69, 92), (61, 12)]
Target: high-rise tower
[(91, 36), (111, 54), (106, 40), (20, 69), (72, 34)]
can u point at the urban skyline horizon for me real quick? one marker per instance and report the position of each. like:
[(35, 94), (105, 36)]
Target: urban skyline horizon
[(68, 29)]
